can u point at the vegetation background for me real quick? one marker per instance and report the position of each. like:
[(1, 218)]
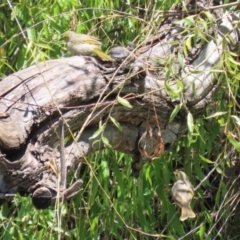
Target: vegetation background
[(113, 204)]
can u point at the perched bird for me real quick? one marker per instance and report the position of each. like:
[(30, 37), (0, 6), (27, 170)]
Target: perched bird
[(183, 193), (86, 45)]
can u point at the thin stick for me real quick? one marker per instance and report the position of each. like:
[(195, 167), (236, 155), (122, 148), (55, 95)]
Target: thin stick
[(15, 16), (63, 169)]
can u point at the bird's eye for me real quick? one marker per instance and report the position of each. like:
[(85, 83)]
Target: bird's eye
[(65, 37)]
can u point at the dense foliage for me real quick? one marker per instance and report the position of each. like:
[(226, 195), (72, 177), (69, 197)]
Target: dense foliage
[(113, 204)]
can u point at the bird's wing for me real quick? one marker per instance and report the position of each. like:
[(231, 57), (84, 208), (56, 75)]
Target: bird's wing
[(182, 192), (83, 38)]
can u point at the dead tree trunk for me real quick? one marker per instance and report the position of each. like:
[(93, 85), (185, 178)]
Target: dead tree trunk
[(159, 79)]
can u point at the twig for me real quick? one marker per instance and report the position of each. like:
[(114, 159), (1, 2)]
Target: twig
[(18, 23), (208, 175), (63, 169)]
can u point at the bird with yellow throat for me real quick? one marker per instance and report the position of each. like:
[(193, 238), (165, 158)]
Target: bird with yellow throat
[(85, 45), (183, 193)]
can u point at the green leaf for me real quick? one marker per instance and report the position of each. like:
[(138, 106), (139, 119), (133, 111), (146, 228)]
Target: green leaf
[(44, 46), (174, 43), (235, 143), (189, 43), (219, 170), (204, 24), (180, 86), (124, 102), (99, 131), (206, 160), (202, 231), (175, 112), (190, 122), (181, 60), (106, 142), (29, 46), (31, 34), (216, 71), (233, 61), (116, 123), (221, 121), (216, 115), (209, 16), (105, 169), (21, 57), (236, 119), (96, 142), (190, 21), (94, 224), (46, 31), (170, 91)]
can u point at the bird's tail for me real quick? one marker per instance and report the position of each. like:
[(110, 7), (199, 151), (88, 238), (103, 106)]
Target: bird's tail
[(187, 212), (102, 55)]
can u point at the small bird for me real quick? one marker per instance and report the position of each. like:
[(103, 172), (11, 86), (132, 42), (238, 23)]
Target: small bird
[(85, 45), (183, 193)]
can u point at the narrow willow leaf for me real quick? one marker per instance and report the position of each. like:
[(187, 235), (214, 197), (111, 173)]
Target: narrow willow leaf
[(124, 102), (237, 119), (43, 45), (180, 86), (235, 143), (21, 57), (233, 61), (174, 92), (170, 91), (219, 170), (195, 71), (173, 43), (221, 121), (231, 40), (5, 63), (202, 231), (105, 169), (185, 50), (57, 229), (46, 31), (31, 34), (174, 112), (29, 46), (99, 131), (189, 43), (216, 71), (209, 16), (167, 73), (216, 115), (96, 142), (116, 123), (106, 142), (181, 60), (94, 224), (233, 54), (190, 21), (204, 24), (202, 37), (206, 160), (190, 122)]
